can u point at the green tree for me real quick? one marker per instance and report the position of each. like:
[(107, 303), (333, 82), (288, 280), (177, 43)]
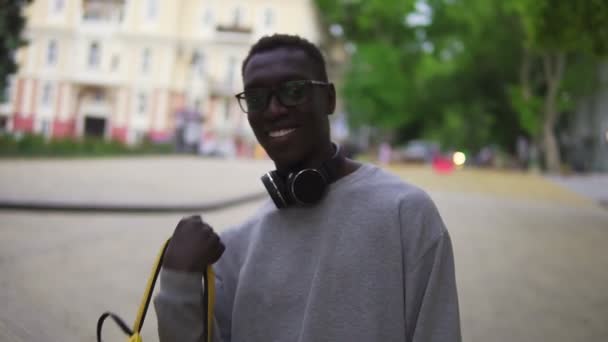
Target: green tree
[(444, 78), (558, 34), (374, 87), (12, 23), (480, 40)]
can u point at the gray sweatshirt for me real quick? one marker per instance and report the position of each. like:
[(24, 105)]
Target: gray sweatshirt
[(372, 262)]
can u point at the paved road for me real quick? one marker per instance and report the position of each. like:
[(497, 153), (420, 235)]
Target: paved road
[(529, 268), (145, 180), (594, 186)]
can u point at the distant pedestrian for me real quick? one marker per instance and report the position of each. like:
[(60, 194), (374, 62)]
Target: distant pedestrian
[(384, 153)]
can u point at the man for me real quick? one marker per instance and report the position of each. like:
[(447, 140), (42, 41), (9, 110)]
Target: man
[(368, 260)]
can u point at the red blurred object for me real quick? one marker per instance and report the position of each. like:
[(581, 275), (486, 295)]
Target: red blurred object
[(443, 165)]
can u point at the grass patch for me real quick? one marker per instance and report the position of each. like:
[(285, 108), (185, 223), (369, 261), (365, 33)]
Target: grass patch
[(31, 145)]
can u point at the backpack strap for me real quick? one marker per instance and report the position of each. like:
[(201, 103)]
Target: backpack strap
[(134, 335)]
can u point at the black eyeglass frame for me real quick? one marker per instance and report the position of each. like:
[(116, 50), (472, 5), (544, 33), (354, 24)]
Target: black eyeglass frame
[(273, 92)]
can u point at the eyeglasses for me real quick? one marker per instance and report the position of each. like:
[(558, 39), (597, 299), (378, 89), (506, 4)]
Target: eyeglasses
[(289, 94)]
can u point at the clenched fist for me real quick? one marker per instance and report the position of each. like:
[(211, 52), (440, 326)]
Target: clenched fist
[(194, 245)]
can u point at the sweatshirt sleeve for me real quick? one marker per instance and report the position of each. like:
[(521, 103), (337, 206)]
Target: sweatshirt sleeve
[(431, 297), (179, 307)]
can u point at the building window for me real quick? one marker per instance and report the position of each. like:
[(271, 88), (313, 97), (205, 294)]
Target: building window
[(7, 92), (152, 9), (198, 64), (5, 95), (51, 53), (208, 18), (268, 18), (47, 94), (120, 14), (94, 55), (231, 70), (227, 110), (45, 128), (142, 103), (103, 10), (146, 59), (3, 124), (58, 6), (99, 95), (115, 62), (237, 16), (139, 136)]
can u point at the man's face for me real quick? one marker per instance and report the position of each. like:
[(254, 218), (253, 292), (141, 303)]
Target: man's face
[(293, 134)]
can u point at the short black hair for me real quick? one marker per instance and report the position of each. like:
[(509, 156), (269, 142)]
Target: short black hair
[(276, 41)]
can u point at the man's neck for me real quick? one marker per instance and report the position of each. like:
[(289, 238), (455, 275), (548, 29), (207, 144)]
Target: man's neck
[(312, 162), (345, 168)]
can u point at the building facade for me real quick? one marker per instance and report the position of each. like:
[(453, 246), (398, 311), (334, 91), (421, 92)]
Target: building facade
[(585, 138), (136, 69)]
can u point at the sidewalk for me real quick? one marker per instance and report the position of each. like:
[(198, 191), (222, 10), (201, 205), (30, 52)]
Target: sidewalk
[(175, 181), (593, 186), (528, 187)]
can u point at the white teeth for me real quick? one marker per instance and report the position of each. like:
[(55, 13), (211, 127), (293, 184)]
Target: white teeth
[(281, 132)]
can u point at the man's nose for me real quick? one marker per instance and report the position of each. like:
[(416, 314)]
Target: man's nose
[(275, 108)]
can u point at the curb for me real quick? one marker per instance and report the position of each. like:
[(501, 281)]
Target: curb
[(126, 208)]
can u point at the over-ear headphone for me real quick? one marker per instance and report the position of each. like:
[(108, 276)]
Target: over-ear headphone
[(303, 187)]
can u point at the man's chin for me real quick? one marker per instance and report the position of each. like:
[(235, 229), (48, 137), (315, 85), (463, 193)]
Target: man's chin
[(284, 160)]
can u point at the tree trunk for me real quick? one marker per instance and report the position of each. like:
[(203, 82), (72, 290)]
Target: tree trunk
[(554, 65)]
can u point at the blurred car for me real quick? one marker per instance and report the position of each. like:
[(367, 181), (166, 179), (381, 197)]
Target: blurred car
[(416, 151)]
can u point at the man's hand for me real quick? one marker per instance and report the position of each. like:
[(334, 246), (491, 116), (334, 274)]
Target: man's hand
[(194, 245)]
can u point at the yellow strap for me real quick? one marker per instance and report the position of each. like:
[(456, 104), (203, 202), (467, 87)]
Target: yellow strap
[(210, 302), (145, 301), (149, 288), (136, 337)]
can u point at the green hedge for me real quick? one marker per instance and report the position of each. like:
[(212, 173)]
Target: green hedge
[(31, 145)]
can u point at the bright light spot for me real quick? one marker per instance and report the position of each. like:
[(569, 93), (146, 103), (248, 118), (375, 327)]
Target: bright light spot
[(417, 19), (428, 47), (424, 8), (606, 135), (459, 158), (446, 55), (422, 16), (336, 30), (350, 48)]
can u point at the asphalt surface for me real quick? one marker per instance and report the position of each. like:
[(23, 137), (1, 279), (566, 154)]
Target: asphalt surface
[(531, 263), (594, 186)]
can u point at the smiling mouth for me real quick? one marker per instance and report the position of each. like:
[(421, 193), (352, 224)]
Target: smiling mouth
[(281, 133)]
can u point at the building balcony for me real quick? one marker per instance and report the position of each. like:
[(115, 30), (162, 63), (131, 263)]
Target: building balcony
[(233, 34), (99, 27), (94, 76), (101, 16)]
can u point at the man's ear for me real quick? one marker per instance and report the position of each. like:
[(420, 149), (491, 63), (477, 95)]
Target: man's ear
[(331, 99)]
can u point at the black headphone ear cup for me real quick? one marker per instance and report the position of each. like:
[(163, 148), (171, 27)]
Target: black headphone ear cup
[(289, 184), (275, 188), (306, 187)]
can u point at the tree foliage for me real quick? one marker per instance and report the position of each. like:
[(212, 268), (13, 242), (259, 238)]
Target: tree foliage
[(12, 23), (444, 79), (474, 72), (561, 38)]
